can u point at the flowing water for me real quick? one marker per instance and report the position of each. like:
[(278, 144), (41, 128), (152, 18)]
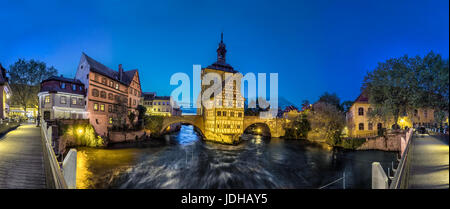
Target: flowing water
[(183, 160)]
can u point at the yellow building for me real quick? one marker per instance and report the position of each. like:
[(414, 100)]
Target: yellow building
[(5, 93), (223, 115), (359, 124)]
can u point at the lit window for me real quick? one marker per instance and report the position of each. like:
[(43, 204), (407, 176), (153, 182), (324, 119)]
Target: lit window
[(95, 106), (74, 101), (47, 99), (110, 120), (360, 111), (102, 107), (117, 86), (80, 101), (63, 100), (361, 126)]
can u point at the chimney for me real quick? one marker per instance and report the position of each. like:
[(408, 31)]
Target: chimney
[(120, 72)]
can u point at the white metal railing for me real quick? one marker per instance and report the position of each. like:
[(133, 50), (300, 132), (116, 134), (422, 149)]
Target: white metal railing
[(399, 179), (53, 169)]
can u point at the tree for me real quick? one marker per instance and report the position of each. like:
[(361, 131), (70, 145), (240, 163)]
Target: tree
[(332, 99), (305, 104), (120, 113), (327, 123), (154, 124), (131, 117), (346, 105), (400, 85), (25, 78), (298, 128), (141, 113)]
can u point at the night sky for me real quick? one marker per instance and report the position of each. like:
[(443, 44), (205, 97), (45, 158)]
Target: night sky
[(315, 46)]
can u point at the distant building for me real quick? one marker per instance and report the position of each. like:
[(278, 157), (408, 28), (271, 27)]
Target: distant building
[(159, 105), (359, 123), (5, 93), (291, 112), (106, 91), (62, 98)]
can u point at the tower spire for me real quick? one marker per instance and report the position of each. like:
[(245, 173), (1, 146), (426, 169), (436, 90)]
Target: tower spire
[(221, 51)]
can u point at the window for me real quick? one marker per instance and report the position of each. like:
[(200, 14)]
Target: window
[(110, 96), (109, 108), (159, 103), (134, 102), (104, 81), (102, 107), (95, 92), (240, 114), (95, 106), (369, 110), (63, 100), (74, 87), (224, 113), (80, 101), (47, 99), (232, 114), (103, 94), (415, 113), (63, 85), (117, 86), (81, 88), (154, 103), (370, 126), (110, 120), (360, 111), (379, 126), (111, 84), (74, 101), (218, 113), (361, 126)]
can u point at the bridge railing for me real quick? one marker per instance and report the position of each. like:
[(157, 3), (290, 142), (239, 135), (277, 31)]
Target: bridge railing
[(53, 173), (400, 179)]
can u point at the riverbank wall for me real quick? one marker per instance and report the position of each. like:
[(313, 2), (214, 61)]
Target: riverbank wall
[(390, 142)]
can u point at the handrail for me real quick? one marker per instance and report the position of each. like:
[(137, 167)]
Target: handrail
[(52, 167), (400, 179)]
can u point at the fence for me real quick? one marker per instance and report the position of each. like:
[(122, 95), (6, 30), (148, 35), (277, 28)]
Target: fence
[(399, 180), (53, 172)]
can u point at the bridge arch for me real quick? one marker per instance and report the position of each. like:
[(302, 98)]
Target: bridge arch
[(259, 128), (194, 120)]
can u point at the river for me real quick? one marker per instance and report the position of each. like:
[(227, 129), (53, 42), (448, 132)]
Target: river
[(183, 161)]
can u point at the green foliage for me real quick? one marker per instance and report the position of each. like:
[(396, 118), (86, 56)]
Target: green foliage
[(25, 78), (332, 99), (298, 128), (327, 123), (141, 111), (351, 143), (154, 124), (400, 85), (81, 135)]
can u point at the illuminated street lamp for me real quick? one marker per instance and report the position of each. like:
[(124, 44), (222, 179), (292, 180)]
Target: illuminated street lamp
[(80, 131)]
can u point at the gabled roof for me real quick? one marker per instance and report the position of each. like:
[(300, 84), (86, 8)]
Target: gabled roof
[(63, 79), (363, 97), (106, 71)]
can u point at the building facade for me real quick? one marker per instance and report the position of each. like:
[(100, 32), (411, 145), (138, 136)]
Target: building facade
[(62, 98), (159, 105), (223, 114), (360, 124), (110, 95), (5, 93)]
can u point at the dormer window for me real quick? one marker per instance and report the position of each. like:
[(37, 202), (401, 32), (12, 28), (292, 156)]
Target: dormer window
[(74, 87), (63, 85)]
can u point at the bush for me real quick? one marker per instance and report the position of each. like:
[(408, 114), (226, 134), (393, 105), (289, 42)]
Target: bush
[(298, 128), (80, 135), (154, 124), (351, 143)]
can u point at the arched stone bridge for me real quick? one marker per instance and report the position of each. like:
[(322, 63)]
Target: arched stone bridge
[(276, 125)]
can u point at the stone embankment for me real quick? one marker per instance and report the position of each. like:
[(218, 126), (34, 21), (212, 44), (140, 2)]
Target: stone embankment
[(391, 142)]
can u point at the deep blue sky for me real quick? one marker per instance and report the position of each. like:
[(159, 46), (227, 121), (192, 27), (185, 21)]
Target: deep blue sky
[(315, 46)]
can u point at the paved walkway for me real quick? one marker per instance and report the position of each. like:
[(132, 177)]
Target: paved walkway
[(429, 163), (21, 159)]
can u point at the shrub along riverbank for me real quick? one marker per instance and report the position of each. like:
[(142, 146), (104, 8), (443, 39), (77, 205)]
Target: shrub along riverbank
[(6, 127)]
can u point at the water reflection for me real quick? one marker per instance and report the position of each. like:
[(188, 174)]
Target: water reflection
[(185, 161)]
